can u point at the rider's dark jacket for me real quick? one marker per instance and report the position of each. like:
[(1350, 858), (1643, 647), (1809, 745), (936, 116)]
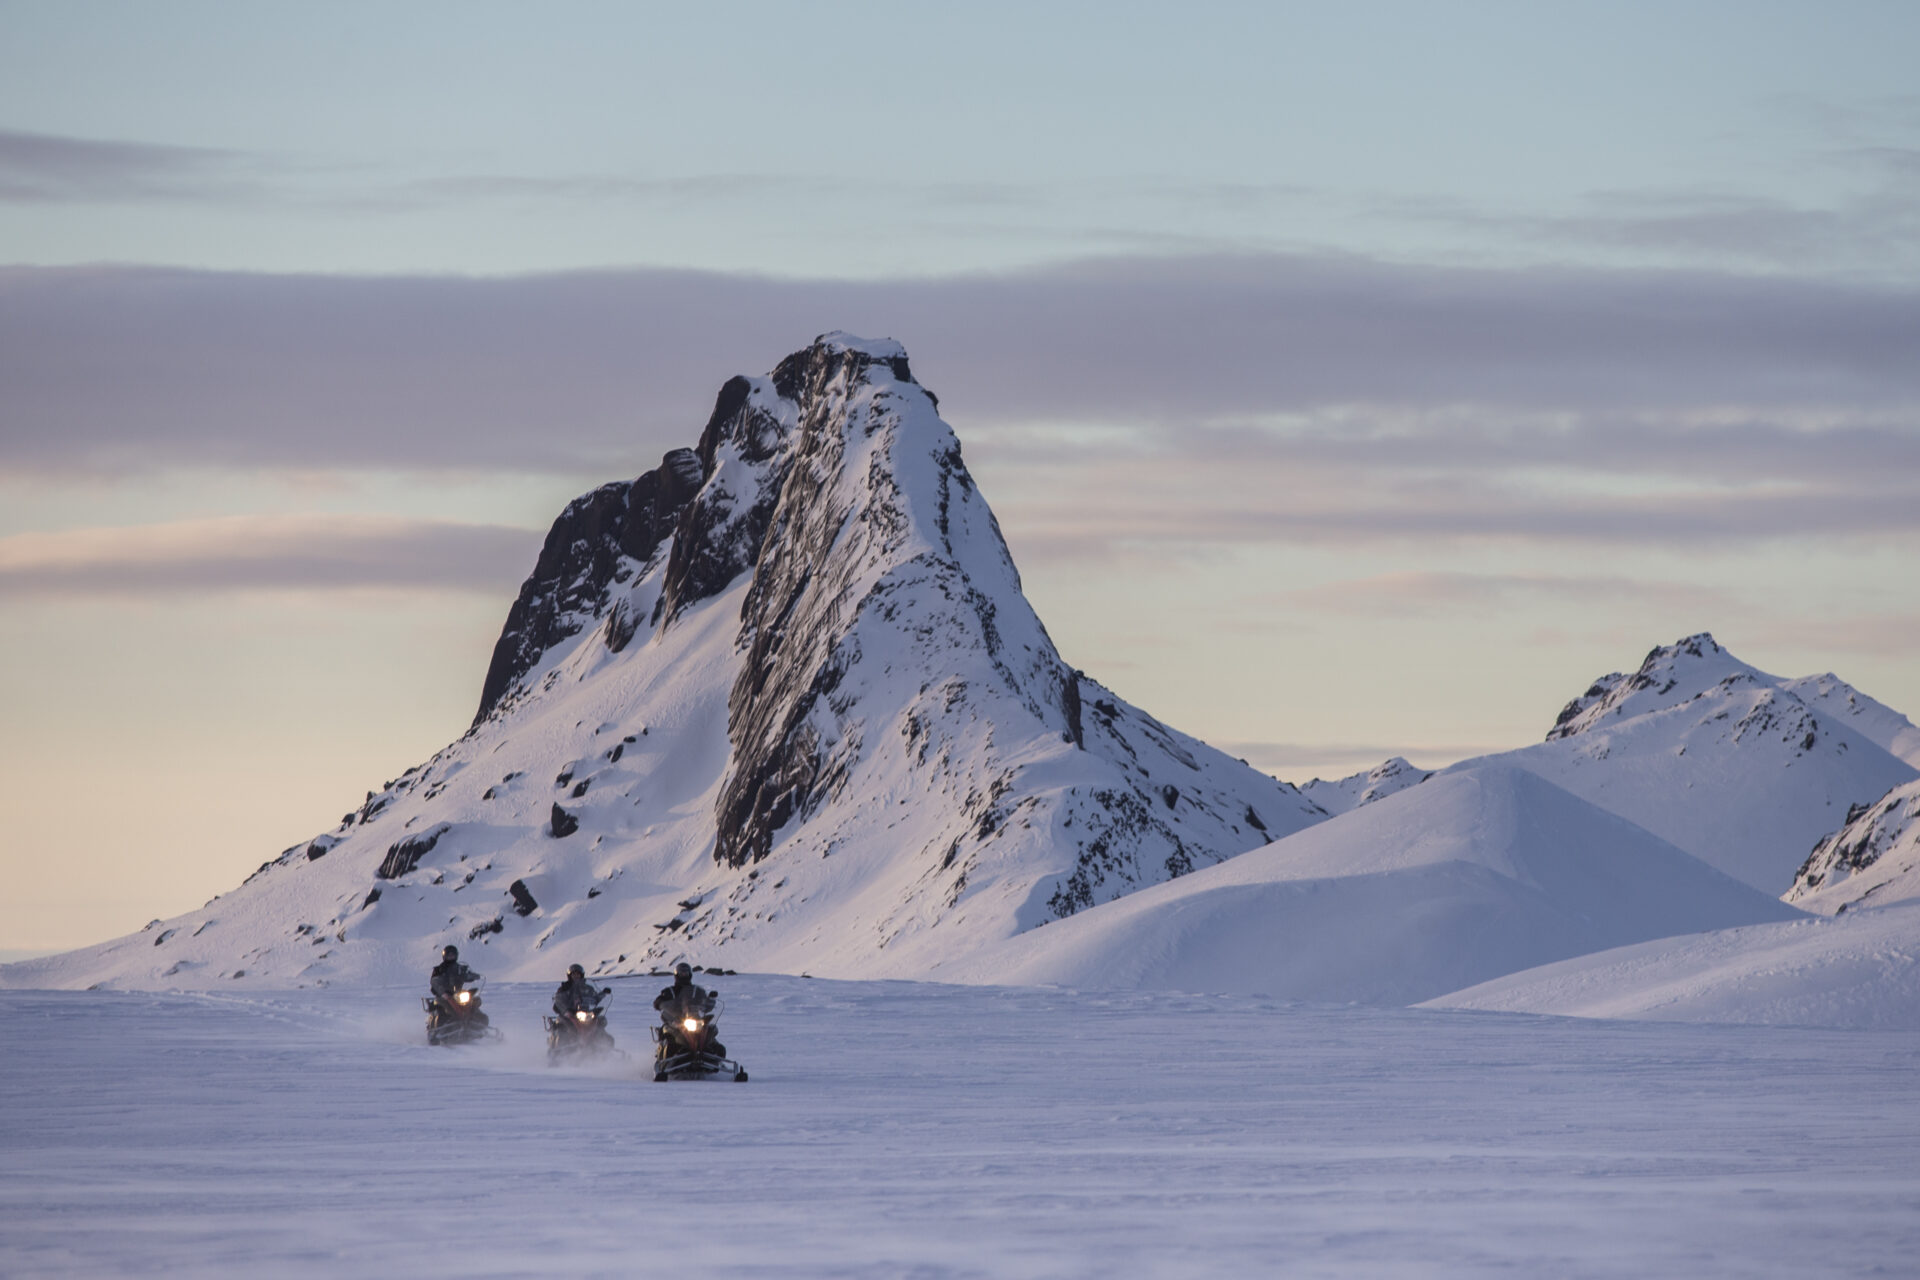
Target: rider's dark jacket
[(574, 996), (449, 976), (683, 996)]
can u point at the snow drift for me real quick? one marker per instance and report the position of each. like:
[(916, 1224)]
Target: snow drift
[(1860, 971), (1471, 875)]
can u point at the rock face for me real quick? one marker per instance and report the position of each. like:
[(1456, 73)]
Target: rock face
[(1731, 764), (591, 547), (781, 700), (1872, 860)]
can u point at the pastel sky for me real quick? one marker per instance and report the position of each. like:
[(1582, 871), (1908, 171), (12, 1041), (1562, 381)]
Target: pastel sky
[(1349, 380)]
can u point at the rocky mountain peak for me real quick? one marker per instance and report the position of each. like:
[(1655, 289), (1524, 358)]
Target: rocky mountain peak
[(1669, 675), (876, 513), (780, 699)]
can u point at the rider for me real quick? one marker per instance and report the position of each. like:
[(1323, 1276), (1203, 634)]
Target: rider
[(680, 1000), (576, 996), (448, 977)]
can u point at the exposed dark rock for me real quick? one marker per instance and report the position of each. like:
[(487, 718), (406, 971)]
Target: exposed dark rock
[(405, 856), (1070, 697), (565, 776), (581, 559), (619, 748), (622, 624), (1123, 828), (480, 931), (320, 847), (562, 823), (1253, 820), (719, 533), (373, 896), (523, 903), (1171, 794), (580, 788)]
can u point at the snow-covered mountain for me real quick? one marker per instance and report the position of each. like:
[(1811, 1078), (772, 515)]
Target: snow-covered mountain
[(1871, 861), (1744, 770), (778, 703), (1474, 874), (1340, 795)]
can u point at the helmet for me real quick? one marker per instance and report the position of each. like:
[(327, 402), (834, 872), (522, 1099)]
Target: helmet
[(575, 971), (450, 952), (683, 970)]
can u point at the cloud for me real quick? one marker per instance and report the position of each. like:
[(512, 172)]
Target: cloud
[(1417, 593), (1887, 635), (39, 168), (266, 553), (1227, 399)]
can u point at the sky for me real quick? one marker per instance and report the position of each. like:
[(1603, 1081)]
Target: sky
[(1349, 381)]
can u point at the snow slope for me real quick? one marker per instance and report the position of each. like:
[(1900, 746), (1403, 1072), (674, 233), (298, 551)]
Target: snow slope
[(1861, 970), (1873, 860), (778, 704), (1875, 721), (978, 1132), (1727, 762), (1465, 877)]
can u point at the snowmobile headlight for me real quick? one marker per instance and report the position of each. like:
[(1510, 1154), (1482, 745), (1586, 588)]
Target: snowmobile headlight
[(581, 1015), (464, 997), (691, 1024)]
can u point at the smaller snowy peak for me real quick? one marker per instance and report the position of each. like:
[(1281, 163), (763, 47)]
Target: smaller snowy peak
[(1724, 760), (1871, 719), (1671, 674), (1872, 860), (1343, 795)]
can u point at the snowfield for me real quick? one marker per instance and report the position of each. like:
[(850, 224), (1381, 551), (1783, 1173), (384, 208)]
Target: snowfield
[(902, 1129)]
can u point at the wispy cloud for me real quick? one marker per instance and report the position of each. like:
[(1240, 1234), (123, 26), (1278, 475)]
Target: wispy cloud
[(266, 553), (41, 168), (1416, 593)]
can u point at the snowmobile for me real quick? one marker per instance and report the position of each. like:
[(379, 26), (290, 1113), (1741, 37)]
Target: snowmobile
[(584, 1035), (457, 1019), (687, 1046)]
